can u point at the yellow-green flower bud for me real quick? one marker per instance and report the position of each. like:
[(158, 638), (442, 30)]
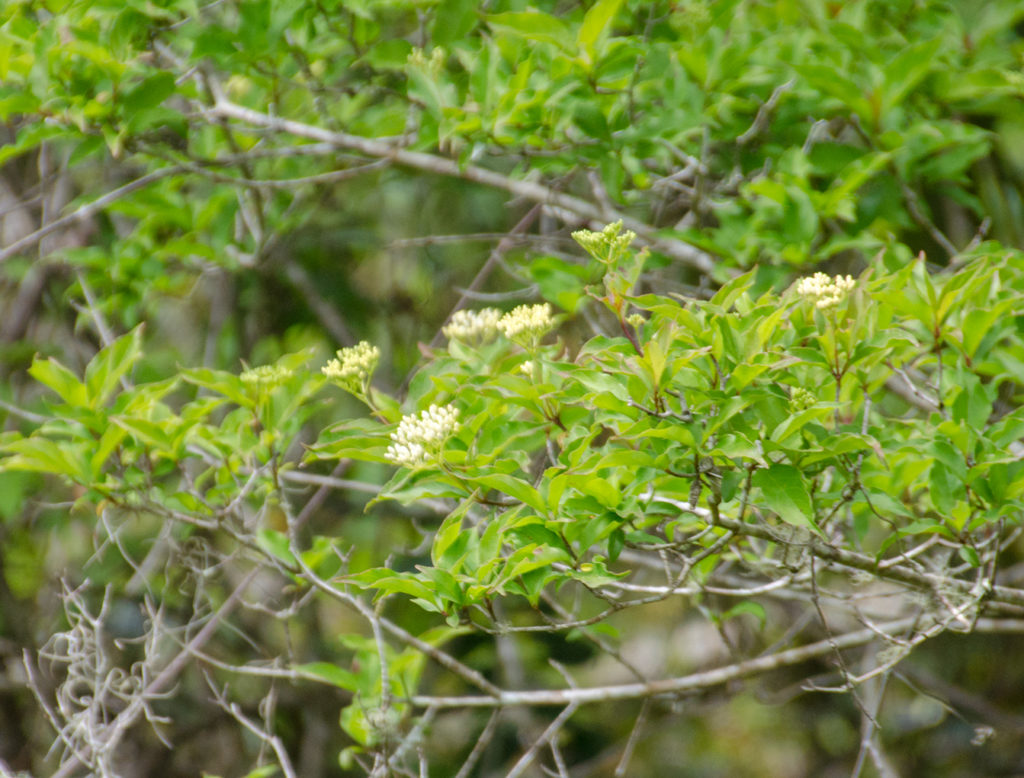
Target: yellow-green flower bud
[(266, 376), (353, 367), (527, 324), (800, 399), (606, 245)]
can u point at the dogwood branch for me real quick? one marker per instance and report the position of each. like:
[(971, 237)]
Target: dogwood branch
[(430, 163), (86, 211), (878, 568), (701, 680)]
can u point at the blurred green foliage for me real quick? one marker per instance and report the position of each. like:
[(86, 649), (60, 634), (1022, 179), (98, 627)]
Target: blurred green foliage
[(189, 189)]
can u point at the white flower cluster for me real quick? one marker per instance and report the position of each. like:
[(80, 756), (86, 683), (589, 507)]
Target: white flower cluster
[(823, 291), (606, 244), (353, 367), (419, 437), (473, 326), (527, 324), (265, 375)]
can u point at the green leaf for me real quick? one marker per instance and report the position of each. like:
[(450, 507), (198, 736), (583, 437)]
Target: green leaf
[(796, 421), (978, 323), (110, 365), (601, 489), (616, 542), (908, 68), (748, 607), (969, 555), (785, 492), (560, 282), (453, 20), (219, 381), (952, 459), (595, 25), (534, 26), (654, 358), (146, 432), (532, 531), (942, 488), (733, 289), (530, 558), (264, 772), (388, 582), (277, 545), (515, 488), (55, 376), (829, 80), (451, 540), (108, 442), (150, 92), (331, 673), (353, 721), (47, 456)]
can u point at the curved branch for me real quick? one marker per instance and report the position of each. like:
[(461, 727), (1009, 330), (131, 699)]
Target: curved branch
[(694, 681), (429, 163), (86, 211)]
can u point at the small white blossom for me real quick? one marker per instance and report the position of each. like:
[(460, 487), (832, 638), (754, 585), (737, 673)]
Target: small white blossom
[(419, 437), (407, 454), (825, 292), (527, 324), (268, 376), (526, 368), (353, 367), (473, 326)]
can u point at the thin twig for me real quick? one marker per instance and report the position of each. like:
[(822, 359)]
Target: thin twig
[(634, 737), (480, 746), (493, 258), (235, 711), (546, 737), (764, 113), (531, 190), (86, 211)]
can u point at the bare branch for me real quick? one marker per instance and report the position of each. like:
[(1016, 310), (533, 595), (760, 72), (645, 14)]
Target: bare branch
[(493, 258), (701, 680), (677, 249), (764, 113), (235, 711), (87, 211), (480, 745), (546, 737)]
